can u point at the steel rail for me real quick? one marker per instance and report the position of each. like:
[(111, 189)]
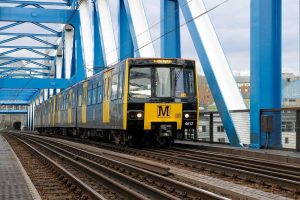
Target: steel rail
[(112, 180), (183, 190), (61, 170), (243, 160)]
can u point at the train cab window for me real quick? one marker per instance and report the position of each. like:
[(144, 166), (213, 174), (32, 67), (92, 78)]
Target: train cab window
[(94, 98), (140, 82), (120, 90), (114, 87), (89, 97), (184, 82), (99, 96), (162, 80)]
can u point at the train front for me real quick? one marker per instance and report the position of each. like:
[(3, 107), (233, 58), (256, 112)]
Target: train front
[(162, 99)]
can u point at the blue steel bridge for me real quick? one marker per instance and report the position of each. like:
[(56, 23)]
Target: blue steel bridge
[(47, 46)]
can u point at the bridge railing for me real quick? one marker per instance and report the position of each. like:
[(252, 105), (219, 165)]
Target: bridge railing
[(286, 120), (211, 129)]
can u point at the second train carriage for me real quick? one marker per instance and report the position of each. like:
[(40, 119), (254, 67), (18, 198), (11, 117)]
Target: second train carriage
[(135, 101)]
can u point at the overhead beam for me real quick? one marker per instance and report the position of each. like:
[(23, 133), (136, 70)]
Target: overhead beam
[(32, 34), (21, 103), (23, 68), (13, 112), (35, 3), (28, 47), (26, 58), (34, 83), (61, 16)]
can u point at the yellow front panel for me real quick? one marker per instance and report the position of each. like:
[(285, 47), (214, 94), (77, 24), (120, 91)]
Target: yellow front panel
[(162, 112), (83, 110), (106, 101), (70, 108)]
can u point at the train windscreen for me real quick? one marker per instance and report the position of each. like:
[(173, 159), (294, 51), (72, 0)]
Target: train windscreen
[(161, 82)]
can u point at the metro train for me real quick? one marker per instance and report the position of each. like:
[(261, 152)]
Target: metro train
[(139, 101)]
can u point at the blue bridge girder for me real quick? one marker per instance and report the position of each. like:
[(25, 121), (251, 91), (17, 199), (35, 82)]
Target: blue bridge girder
[(35, 83), (5, 112), (39, 15), (77, 40)]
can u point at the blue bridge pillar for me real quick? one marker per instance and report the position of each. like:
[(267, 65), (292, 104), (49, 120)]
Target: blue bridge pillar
[(170, 28), (265, 68)]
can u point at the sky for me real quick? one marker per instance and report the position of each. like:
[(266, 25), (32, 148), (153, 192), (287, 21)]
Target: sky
[(232, 25)]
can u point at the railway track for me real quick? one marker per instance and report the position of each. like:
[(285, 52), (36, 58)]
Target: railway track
[(127, 180), (270, 173), (47, 176)]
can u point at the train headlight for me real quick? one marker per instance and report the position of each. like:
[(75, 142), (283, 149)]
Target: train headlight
[(136, 114), (139, 115), (190, 115)]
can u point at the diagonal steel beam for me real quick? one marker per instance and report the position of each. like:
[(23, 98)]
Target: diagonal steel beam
[(45, 27), (10, 25), (40, 40), (38, 52), (39, 64), (10, 51), (11, 39), (9, 62)]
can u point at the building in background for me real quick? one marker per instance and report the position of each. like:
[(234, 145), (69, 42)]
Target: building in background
[(290, 91)]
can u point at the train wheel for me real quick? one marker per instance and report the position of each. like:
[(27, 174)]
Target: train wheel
[(164, 142)]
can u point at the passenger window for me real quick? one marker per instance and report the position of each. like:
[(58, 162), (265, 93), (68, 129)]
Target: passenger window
[(62, 103), (67, 102), (120, 91), (79, 100), (89, 97), (114, 87), (99, 98), (73, 100), (94, 99)]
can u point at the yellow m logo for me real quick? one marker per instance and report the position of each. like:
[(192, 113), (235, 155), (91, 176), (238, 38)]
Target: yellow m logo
[(163, 111)]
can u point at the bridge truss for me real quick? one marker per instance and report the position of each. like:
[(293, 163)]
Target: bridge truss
[(48, 45)]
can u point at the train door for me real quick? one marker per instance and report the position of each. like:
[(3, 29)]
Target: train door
[(106, 99)]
